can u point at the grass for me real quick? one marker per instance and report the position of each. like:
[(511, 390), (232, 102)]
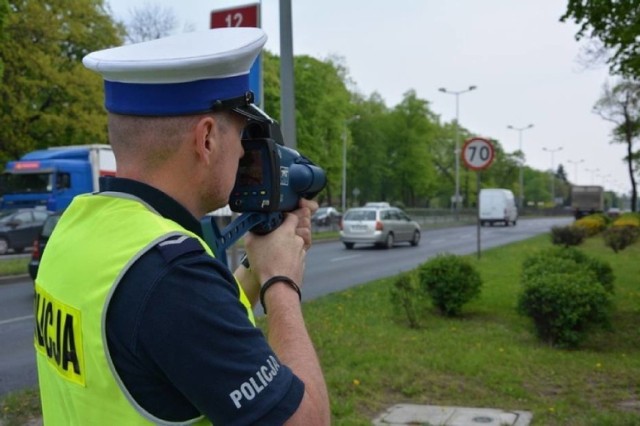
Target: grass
[(487, 358), (14, 266)]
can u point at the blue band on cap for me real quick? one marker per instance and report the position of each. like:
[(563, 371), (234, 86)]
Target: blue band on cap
[(172, 98)]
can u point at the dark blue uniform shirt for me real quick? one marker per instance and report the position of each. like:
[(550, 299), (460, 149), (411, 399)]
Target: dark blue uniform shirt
[(180, 339)]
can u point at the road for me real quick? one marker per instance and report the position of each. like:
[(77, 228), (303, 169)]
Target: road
[(330, 268)]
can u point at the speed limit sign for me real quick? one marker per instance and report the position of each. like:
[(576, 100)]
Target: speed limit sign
[(477, 153)]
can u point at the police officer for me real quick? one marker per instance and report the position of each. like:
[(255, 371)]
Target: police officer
[(137, 322)]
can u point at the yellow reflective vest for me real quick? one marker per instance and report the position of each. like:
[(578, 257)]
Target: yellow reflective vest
[(97, 239)]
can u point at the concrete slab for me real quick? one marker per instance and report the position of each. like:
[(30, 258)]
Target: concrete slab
[(434, 415)]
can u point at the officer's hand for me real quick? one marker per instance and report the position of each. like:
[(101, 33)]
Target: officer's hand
[(280, 252), (306, 208)]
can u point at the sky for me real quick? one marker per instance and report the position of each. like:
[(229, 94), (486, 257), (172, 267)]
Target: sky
[(523, 60)]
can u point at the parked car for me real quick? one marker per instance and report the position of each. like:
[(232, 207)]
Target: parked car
[(18, 228), (613, 212), (326, 216), (40, 242), (383, 226)]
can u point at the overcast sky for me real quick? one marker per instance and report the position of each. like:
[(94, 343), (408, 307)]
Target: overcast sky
[(523, 61)]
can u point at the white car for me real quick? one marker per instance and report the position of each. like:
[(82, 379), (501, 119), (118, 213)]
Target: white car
[(383, 226)]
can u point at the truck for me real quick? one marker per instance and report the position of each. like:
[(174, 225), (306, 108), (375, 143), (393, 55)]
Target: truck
[(497, 205), (586, 200), (50, 178)]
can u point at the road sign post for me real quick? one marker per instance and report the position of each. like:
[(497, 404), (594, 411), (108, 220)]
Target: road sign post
[(477, 155), (243, 16)]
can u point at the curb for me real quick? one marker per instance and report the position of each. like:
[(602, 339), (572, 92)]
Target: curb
[(13, 279)]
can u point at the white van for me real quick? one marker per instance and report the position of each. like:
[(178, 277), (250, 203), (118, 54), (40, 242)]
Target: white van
[(497, 205)]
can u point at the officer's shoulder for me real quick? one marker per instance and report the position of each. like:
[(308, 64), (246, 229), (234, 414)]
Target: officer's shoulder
[(177, 246)]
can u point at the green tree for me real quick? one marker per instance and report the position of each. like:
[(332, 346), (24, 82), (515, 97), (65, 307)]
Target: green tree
[(4, 11), (616, 23), (408, 149), (323, 105), (47, 96), (367, 165)]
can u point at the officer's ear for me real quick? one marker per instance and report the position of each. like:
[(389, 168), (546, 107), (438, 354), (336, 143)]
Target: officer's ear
[(204, 138)]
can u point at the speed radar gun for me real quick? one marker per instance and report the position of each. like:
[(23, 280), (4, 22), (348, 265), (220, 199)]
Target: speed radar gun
[(270, 181)]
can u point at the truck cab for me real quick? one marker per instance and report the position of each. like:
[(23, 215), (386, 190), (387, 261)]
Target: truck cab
[(50, 178)]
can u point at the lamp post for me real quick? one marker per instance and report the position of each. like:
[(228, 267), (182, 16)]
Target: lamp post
[(344, 161), (521, 179), (553, 179), (575, 168), (457, 153), (593, 173)]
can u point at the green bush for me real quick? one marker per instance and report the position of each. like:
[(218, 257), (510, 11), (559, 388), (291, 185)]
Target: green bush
[(406, 297), (592, 224), (564, 306), (619, 237), (567, 260), (450, 281), (567, 235)]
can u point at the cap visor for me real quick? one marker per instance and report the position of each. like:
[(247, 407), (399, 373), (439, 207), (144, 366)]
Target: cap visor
[(252, 112)]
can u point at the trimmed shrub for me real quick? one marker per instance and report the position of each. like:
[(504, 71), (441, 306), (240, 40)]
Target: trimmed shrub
[(564, 306), (628, 219), (567, 260), (567, 236), (450, 281), (592, 224), (619, 237), (406, 297)]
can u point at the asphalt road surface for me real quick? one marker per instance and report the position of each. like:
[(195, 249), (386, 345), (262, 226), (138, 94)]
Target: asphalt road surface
[(330, 268)]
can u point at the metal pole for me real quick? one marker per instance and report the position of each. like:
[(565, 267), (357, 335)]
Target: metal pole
[(575, 168), (287, 99), (344, 161), (457, 155), (344, 168), (521, 176), (553, 178), (478, 221), (457, 147)]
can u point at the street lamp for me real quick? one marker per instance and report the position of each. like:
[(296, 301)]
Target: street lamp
[(553, 179), (456, 153), (593, 173), (575, 168), (521, 180), (344, 161)]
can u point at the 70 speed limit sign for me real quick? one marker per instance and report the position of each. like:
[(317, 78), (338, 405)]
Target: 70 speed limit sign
[(477, 153)]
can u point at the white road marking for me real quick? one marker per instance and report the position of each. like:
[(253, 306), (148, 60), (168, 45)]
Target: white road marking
[(17, 319), (340, 259)]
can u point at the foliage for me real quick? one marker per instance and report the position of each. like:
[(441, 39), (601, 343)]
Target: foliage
[(488, 359), (567, 236), (406, 297), (4, 11), (451, 281), (323, 107), (564, 305), (620, 237), (47, 96), (627, 219), (616, 23), (592, 224), (567, 259)]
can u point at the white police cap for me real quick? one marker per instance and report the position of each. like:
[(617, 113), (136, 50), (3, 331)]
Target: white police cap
[(184, 74)]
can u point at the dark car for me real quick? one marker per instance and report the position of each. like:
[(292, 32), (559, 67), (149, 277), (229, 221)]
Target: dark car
[(40, 242), (19, 227)]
